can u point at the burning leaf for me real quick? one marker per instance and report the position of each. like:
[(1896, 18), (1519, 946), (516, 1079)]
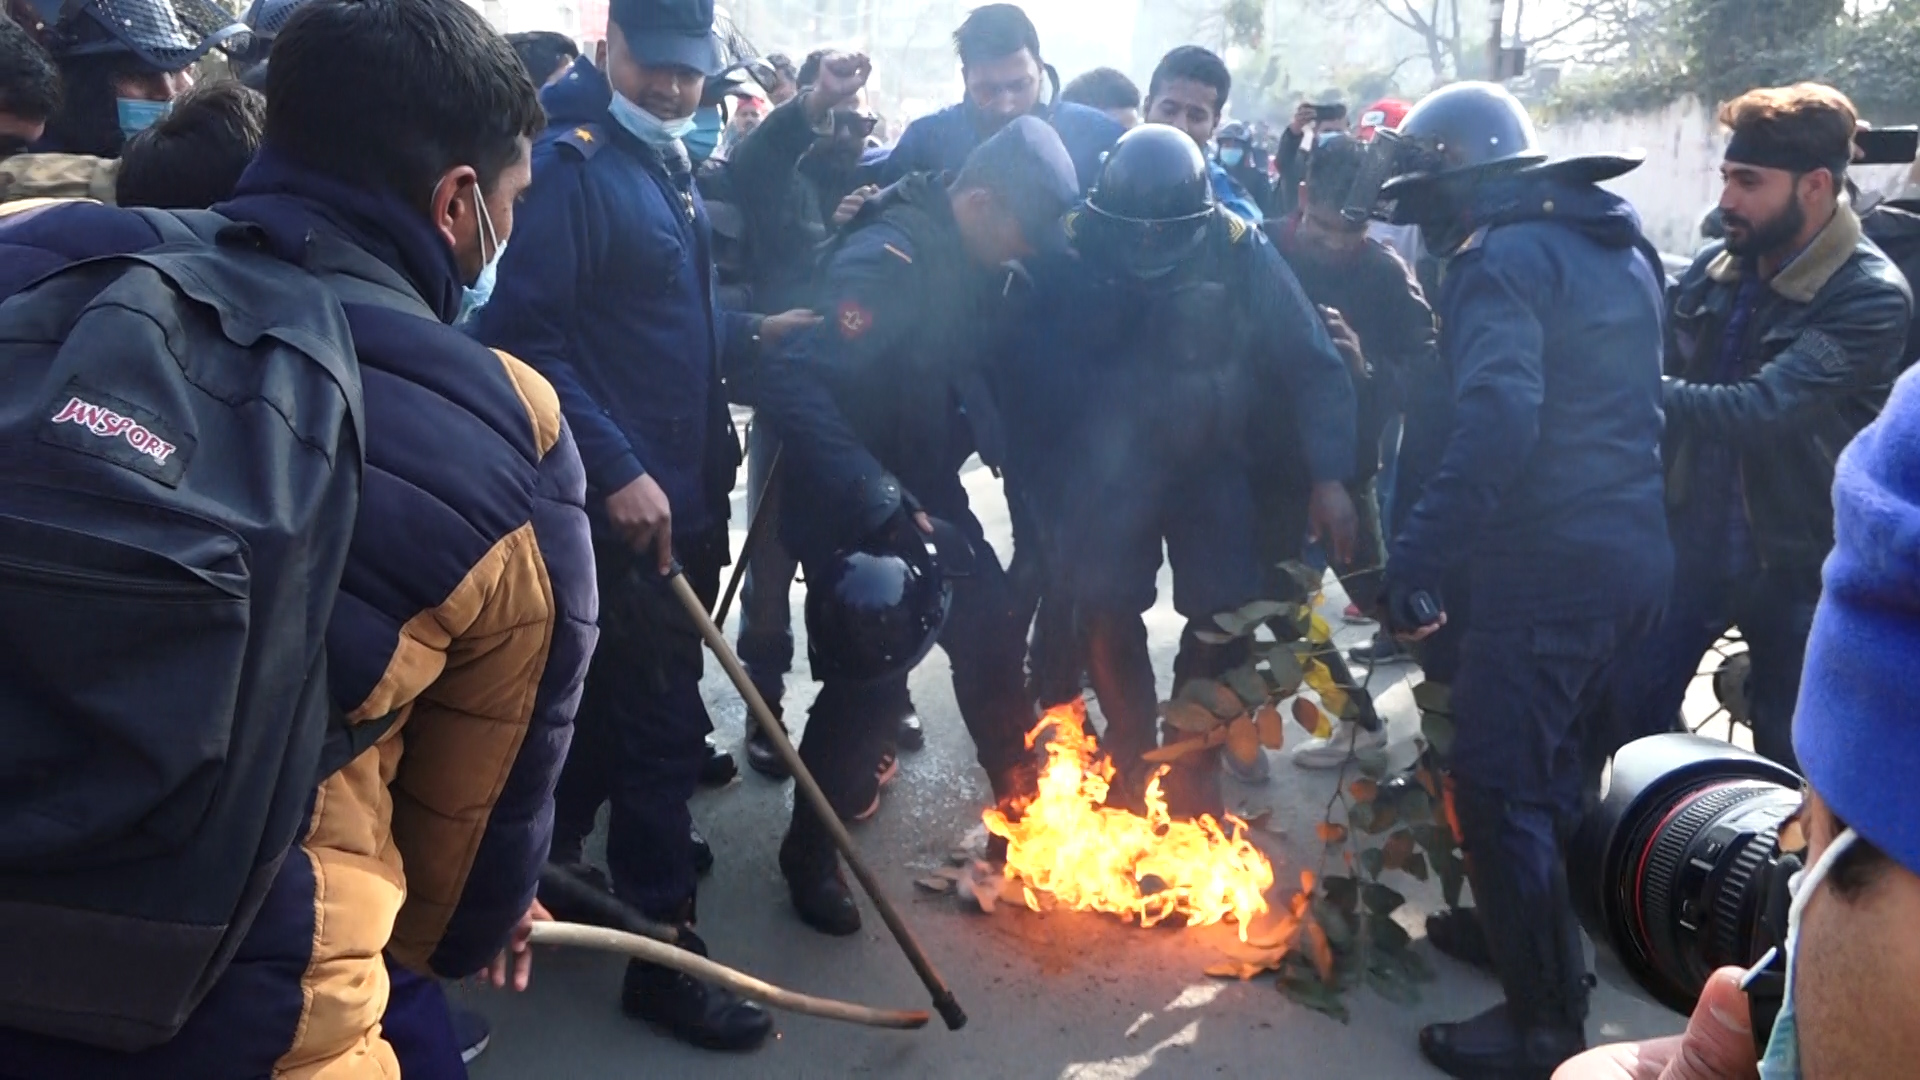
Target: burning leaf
[(1239, 622), (1330, 833), (1364, 790), (1241, 970), (1360, 816), (1174, 751), (1215, 637), (1331, 694), (1243, 741), (1273, 732), (1336, 924), (1306, 990), (1313, 939), (1398, 849), (1087, 856), (1373, 761), (937, 885), (1434, 838), (1379, 817), (1310, 718), (1190, 718), (1389, 982), (1248, 686)]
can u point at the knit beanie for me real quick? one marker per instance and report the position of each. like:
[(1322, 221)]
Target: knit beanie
[(1857, 726)]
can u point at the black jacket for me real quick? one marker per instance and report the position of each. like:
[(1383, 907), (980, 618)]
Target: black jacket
[(1894, 226), (1821, 352)]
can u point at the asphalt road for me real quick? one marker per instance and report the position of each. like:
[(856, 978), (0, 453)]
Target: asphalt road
[(1055, 995)]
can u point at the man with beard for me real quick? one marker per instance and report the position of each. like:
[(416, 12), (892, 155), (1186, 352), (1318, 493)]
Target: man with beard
[(1785, 339)]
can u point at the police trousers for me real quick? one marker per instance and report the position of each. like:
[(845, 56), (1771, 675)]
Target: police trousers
[(766, 608), (640, 734)]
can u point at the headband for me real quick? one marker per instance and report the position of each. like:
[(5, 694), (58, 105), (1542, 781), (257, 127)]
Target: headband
[(1763, 147)]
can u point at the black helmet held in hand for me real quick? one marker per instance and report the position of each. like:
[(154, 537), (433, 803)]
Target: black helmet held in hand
[(1151, 207), (875, 609)]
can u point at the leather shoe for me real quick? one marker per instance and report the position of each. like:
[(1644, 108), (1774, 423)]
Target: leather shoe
[(1493, 1046), (1457, 933), (719, 768), (820, 894), (762, 757), (694, 1012), (911, 735)]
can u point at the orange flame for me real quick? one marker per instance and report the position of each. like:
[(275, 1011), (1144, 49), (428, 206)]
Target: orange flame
[(1093, 857)]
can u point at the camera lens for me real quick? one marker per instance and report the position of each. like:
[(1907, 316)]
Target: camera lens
[(1675, 867)]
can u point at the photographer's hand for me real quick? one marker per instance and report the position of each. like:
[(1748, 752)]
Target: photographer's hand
[(1718, 1044)]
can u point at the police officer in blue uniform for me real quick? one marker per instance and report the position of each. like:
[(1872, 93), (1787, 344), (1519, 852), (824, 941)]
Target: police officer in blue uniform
[(610, 294), (1000, 63), (878, 408), (1549, 498), (1178, 316)]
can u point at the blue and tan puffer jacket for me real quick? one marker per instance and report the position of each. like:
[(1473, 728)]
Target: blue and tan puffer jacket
[(468, 605)]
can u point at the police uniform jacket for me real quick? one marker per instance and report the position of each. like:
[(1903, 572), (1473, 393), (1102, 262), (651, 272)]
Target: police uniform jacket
[(608, 289)]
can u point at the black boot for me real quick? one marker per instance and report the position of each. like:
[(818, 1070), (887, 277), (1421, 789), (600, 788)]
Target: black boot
[(1457, 933), (561, 904), (719, 768), (911, 735), (761, 756), (692, 1011), (702, 852), (1535, 945), (820, 894)]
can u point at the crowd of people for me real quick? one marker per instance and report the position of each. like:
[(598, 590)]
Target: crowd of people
[(1551, 474)]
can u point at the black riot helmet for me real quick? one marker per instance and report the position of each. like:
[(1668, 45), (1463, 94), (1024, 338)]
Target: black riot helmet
[(1456, 139), (1150, 209), (163, 35), (875, 609)]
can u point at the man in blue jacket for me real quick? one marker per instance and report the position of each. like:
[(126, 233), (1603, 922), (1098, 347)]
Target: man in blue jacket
[(1000, 62), (878, 408), (610, 295), (1549, 495)]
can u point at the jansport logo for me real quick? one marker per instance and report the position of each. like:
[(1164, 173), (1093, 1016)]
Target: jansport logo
[(108, 424)]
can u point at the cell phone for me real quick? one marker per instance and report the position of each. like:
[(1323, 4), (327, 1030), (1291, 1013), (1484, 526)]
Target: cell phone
[(1329, 112), (1888, 146)]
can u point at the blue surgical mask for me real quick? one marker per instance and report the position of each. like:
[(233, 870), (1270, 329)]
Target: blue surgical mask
[(704, 139), (647, 127), (138, 114), (1782, 1059), (475, 296), (1232, 156)]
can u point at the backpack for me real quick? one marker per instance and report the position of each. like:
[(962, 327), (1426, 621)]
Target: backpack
[(181, 448)]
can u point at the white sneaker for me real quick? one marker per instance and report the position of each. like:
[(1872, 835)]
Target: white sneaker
[(1255, 774), (1331, 752)]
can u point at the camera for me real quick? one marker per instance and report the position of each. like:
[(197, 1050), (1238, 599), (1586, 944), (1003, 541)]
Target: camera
[(1678, 869)]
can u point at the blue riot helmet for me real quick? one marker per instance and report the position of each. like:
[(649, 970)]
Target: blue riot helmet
[(265, 18), (1150, 209), (875, 609)]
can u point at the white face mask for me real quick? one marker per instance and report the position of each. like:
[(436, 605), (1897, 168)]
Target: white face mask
[(474, 297), (647, 127), (1782, 1060)]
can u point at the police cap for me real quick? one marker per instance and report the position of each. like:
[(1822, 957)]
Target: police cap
[(1028, 167)]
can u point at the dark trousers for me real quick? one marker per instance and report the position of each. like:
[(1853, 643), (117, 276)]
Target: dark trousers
[(419, 1027), (640, 734), (1774, 615), (850, 723), (766, 610)]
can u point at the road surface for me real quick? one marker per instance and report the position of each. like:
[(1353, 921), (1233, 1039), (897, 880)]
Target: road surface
[(1053, 996)]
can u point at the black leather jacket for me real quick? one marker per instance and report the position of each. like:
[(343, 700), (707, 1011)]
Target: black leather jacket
[(1820, 354)]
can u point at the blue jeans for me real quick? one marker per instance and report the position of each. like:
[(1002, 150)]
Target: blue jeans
[(1774, 616)]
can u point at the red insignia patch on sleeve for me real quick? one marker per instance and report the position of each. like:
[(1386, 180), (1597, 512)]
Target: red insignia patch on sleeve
[(854, 319)]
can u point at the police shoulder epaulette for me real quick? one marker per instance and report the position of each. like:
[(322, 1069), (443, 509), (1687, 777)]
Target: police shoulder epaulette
[(584, 140), (1475, 239), (1237, 227)]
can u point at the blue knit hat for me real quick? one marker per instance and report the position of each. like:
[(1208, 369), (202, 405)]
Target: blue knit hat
[(1857, 728)]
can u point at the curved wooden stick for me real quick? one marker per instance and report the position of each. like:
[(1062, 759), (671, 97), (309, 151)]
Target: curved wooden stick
[(653, 952)]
